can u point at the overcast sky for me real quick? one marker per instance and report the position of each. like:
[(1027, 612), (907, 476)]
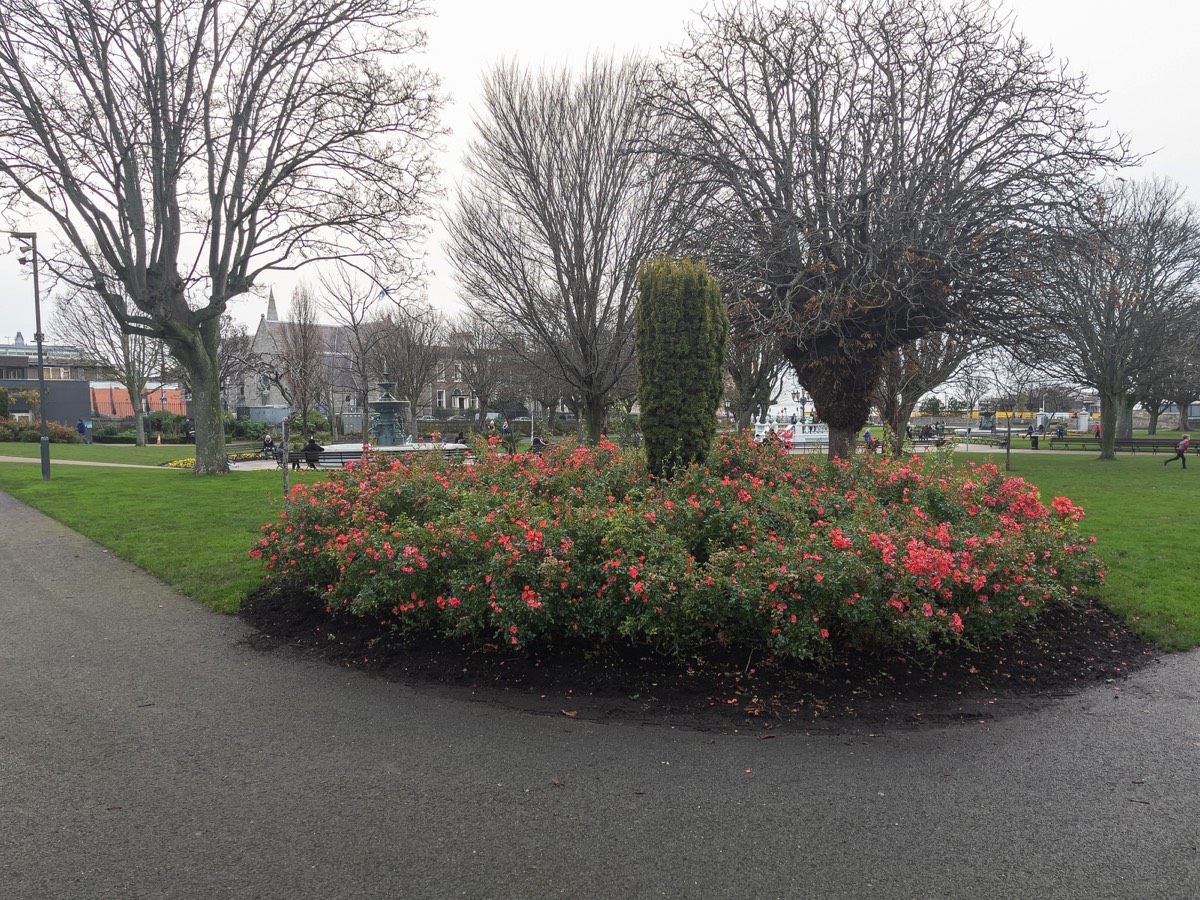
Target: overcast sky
[(1141, 54)]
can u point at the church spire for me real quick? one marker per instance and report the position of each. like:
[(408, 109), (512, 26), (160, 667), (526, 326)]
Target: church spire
[(272, 313)]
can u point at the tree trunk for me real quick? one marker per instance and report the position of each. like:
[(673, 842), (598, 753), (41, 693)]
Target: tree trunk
[(1125, 418), (1110, 408), (139, 420), (841, 387), (283, 442), (842, 441), (1183, 404), (197, 353), (1152, 428), (594, 416)]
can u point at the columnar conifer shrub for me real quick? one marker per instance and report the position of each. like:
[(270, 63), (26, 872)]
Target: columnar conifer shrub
[(682, 328), (802, 559)]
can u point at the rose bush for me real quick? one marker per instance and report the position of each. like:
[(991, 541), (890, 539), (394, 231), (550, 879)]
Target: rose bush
[(801, 557)]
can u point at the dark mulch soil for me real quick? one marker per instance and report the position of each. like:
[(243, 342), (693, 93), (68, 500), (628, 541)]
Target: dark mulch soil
[(728, 689)]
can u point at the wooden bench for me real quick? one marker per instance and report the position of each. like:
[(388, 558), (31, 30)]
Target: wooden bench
[(1076, 441), (337, 459), (326, 459), (928, 444), (1153, 444), (1000, 442)]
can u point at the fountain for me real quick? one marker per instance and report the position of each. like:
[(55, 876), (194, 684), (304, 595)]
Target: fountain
[(391, 417), (387, 431)]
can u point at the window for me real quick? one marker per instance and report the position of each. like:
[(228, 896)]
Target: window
[(57, 373), (441, 399)]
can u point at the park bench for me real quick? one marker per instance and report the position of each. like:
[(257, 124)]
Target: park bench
[(337, 459), (1074, 441), (928, 444), (999, 441), (326, 459), (1153, 444)]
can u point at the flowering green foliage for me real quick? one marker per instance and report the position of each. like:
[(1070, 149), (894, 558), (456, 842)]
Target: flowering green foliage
[(802, 557), (189, 462), (31, 433)]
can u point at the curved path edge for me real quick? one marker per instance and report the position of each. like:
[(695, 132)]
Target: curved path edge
[(146, 750)]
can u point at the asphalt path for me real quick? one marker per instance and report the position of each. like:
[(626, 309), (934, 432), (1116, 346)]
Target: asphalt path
[(147, 750)]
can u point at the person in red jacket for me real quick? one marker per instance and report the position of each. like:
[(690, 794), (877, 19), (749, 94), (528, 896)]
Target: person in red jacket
[(1181, 451)]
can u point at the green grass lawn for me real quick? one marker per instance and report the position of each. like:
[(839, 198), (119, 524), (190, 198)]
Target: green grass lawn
[(152, 455), (195, 533), (1146, 519)]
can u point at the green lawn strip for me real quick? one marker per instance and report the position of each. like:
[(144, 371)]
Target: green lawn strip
[(1145, 517), (152, 455), (193, 533)]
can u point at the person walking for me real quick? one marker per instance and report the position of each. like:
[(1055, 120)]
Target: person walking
[(82, 429), (1181, 451)]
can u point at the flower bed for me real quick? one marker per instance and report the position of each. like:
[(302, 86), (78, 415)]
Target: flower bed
[(803, 558), (16, 430)]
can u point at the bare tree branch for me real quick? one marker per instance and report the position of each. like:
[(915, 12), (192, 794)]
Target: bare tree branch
[(880, 169), (190, 146)]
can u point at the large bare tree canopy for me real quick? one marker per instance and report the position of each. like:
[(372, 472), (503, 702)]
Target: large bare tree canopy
[(1120, 280), (558, 213), (189, 146), (878, 167)]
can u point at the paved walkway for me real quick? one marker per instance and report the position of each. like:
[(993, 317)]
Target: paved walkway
[(146, 751)]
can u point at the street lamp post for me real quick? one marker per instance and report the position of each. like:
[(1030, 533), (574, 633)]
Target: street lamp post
[(801, 398), (31, 249)]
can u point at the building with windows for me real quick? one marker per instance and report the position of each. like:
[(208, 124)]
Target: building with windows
[(258, 397), (66, 387)]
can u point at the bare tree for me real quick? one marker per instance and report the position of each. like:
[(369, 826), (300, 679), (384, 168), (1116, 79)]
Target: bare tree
[(913, 369), (1120, 278), (232, 352), (413, 349), (191, 146), (1012, 376), (971, 384), (351, 299), (486, 365), (755, 363), (300, 355), (1177, 380), (879, 168), (558, 212), (83, 319)]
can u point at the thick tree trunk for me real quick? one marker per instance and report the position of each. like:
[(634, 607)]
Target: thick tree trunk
[(1110, 409), (1125, 418), (842, 441), (841, 388), (1183, 404), (594, 416), (197, 353)]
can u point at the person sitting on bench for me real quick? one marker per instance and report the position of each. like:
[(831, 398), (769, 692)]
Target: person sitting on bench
[(312, 453)]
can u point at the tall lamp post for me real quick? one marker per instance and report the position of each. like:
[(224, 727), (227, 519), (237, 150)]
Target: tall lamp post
[(801, 398), (28, 245)]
